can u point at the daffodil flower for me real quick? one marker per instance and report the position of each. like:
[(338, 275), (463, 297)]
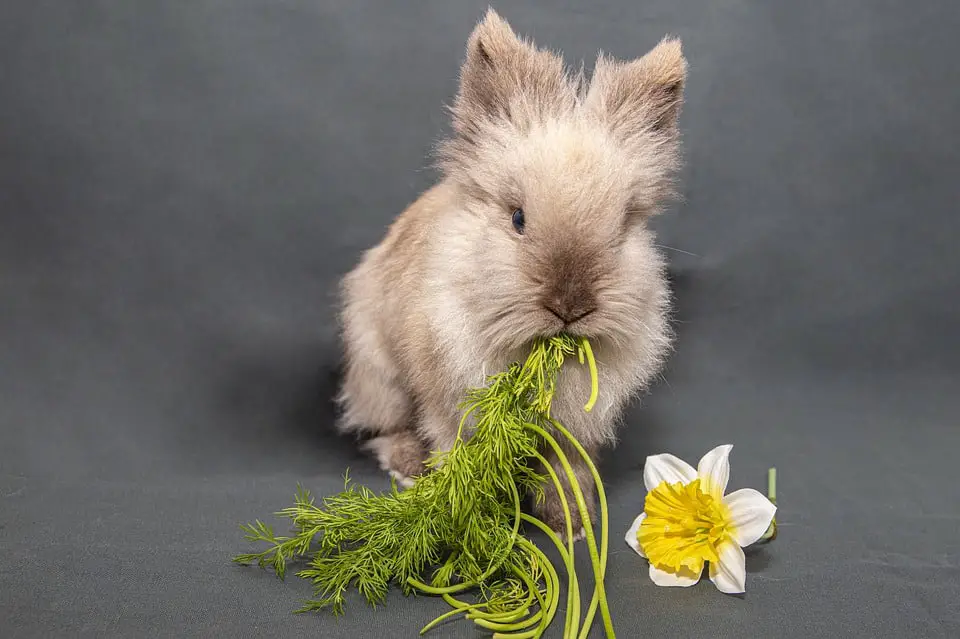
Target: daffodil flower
[(688, 520)]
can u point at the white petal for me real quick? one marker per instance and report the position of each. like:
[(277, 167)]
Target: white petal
[(714, 471), (666, 468), (729, 575), (684, 579), (631, 537), (751, 513)]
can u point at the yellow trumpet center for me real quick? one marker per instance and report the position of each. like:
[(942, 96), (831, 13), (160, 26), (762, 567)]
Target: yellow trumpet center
[(683, 527)]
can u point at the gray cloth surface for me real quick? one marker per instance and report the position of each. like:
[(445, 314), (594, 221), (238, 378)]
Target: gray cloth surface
[(182, 183)]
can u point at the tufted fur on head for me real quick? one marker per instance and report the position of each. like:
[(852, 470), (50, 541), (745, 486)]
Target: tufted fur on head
[(510, 90)]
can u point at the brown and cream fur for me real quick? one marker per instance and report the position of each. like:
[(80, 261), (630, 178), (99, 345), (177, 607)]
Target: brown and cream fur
[(454, 292)]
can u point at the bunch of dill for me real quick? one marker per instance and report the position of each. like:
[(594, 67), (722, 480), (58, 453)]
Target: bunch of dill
[(458, 526)]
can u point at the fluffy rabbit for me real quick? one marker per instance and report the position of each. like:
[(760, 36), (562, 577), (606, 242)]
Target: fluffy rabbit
[(538, 225)]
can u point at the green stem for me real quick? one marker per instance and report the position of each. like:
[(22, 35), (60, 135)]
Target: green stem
[(599, 569), (463, 420), (445, 590), (490, 624), (599, 596), (452, 613), (533, 592), (509, 615), (539, 596), (604, 527), (594, 377), (504, 617), (472, 611), (456, 603), (553, 585), (571, 624), (573, 594), (552, 536)]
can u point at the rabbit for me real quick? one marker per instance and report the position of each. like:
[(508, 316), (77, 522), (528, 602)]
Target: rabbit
[(537, 225)]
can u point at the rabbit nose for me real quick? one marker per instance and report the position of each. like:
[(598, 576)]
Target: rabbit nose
[(570, 301)]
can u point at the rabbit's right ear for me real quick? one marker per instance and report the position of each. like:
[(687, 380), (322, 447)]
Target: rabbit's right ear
[(508, 79), (641, 95)]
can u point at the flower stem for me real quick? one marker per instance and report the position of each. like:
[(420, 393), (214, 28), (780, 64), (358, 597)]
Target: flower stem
[(771, 532)]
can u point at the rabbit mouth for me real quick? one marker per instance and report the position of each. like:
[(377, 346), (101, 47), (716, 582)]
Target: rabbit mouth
[(570, 319), (516, 329), (569, 323)]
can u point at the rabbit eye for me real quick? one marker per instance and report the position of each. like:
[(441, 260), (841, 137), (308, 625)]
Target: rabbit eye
[(518, 221)]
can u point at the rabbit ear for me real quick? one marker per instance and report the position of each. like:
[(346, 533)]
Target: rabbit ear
[(641, 95), (505, 78)]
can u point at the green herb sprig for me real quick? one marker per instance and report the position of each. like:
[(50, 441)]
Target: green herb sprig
[(458, 528)]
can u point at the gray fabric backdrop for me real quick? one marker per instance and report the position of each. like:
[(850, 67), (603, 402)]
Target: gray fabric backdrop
[(181, 184)]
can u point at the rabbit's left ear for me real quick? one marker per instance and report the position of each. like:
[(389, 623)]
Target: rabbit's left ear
[(641, 95), (508, 79)]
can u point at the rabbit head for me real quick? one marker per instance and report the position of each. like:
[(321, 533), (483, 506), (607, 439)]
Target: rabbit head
[(557, 178)]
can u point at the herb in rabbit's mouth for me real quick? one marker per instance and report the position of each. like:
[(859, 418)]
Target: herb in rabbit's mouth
[(458, 528)]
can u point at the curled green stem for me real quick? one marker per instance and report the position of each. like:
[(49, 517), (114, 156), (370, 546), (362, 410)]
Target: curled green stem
[(506, 626), (474, 611), (552, 600), (506, 616), (541, 597), (490, 622)]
